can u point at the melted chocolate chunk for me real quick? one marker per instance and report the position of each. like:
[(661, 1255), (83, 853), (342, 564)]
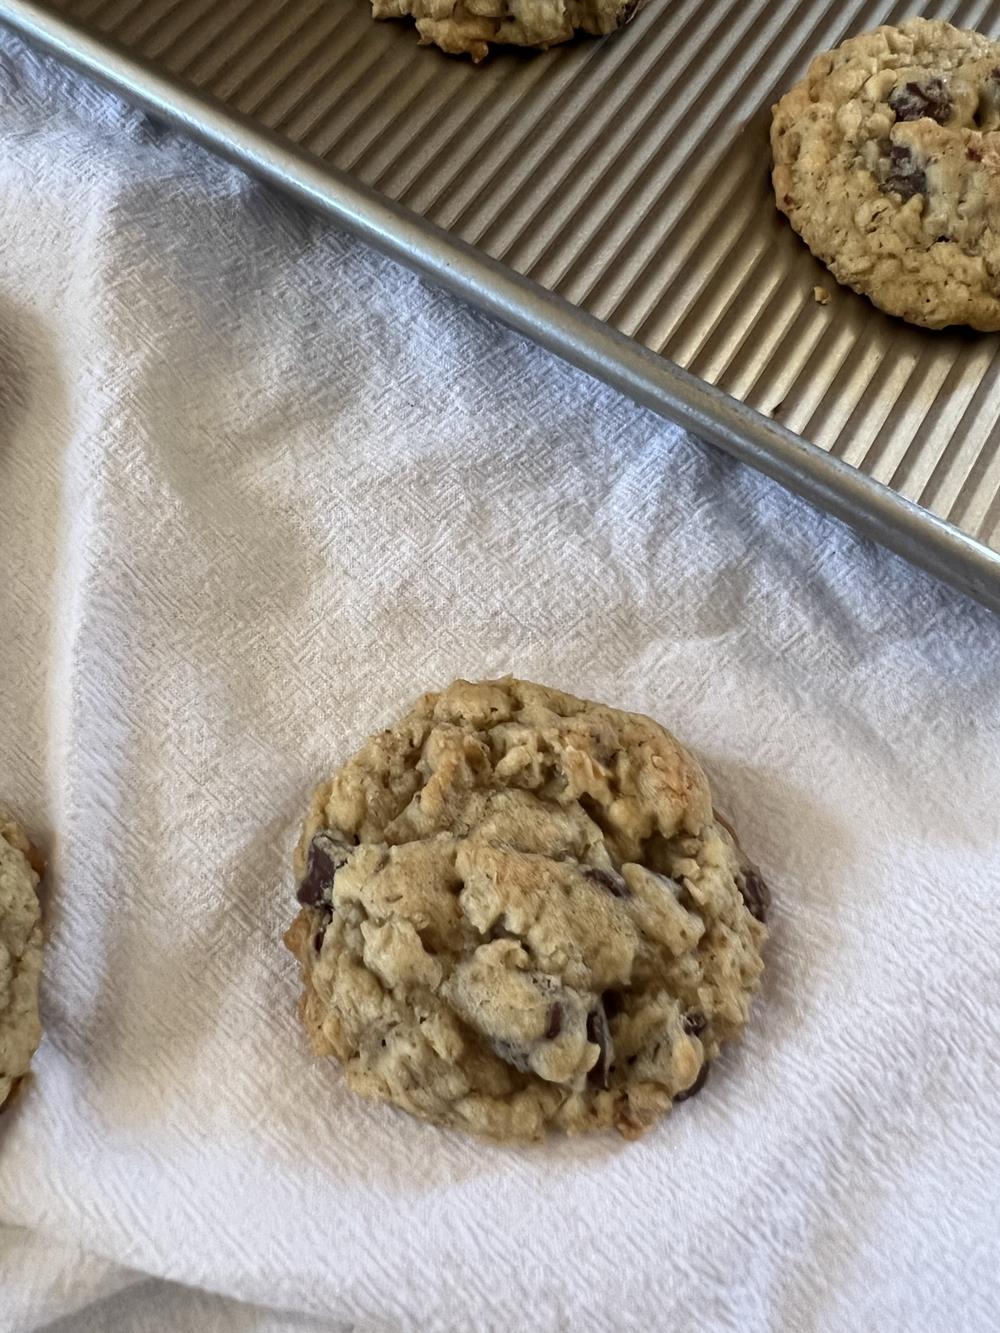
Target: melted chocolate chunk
[(694, 1023), (554, 1025), (922, 98), (905, 174), (696, 1086), (610, 880), (327, 853), (600, 1034), (756, 895)]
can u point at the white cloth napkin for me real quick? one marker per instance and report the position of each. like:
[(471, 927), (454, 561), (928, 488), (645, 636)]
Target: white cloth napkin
[(258, 489)]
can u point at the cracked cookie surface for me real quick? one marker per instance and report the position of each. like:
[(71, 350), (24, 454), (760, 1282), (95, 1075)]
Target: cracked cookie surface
[(887, 164), (518, 911), (471, 28), (20, 955)]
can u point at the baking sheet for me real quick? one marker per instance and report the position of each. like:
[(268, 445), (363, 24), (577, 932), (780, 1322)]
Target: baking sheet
[(629, 177)]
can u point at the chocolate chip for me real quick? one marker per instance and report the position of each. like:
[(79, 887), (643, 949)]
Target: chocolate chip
[(696, 1086), (756, 895), (610, 880), (600, 1034), (612, 1002), (905, 175), (694, 1023), (318, 939), (926, 97), (974, 154), (327, 853), (554, 1025)]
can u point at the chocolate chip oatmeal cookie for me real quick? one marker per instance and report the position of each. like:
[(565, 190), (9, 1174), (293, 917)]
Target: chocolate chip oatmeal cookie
[(518, 911), (887, 163), (20, 954), (471, 28)]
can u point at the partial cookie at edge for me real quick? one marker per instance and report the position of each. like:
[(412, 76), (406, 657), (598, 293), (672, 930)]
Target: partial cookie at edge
[(887, 163), (20, 955), (472, 28)]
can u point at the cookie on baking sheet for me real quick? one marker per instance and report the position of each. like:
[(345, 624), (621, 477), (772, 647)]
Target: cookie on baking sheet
[(20, 955), (472, 27), (519, 911), (887, 163)]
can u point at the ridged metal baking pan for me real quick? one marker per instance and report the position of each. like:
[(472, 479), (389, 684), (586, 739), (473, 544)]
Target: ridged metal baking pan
[(611, 199)]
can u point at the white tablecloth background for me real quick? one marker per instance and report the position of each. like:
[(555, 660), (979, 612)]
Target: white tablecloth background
[(259, 488)]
